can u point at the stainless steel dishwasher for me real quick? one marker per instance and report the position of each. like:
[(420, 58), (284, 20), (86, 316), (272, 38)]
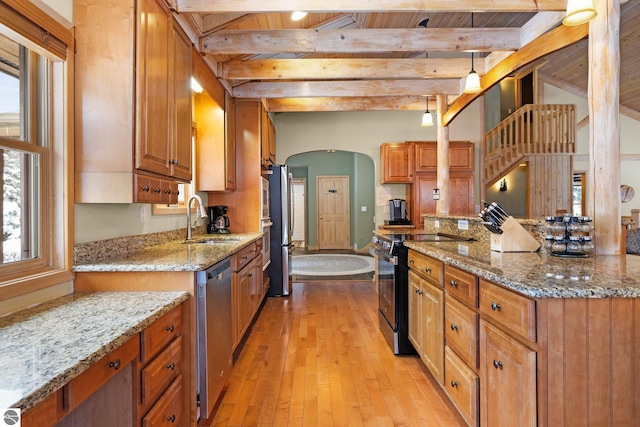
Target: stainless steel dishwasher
[(215, 357)]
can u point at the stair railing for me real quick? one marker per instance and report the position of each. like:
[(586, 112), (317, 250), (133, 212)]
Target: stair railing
[(533, 129)]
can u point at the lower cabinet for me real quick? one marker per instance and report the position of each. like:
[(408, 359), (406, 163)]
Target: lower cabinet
[(508, 380), (426, 316), (137, 384), (247, 291), (461, 384)]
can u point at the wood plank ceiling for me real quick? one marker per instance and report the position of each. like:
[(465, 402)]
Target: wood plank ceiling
[(376, 55)]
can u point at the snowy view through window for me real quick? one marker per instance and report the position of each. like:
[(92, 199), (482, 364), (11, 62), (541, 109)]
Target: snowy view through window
[(11, 167)]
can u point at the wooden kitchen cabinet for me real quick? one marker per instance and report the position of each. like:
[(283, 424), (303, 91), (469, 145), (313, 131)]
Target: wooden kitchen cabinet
[(132, 97), (426, 311), (460, 156), (268, 140), (246, 291), (420, 196), (508, 380), (462, 386), (397, 164)]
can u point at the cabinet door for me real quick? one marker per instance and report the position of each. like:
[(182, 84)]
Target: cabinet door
[(152, 124), (415, 312), (180, 102), (426, 156), (397, 163), (229, 142), (433, 330), (461, 200), (508, 380), (423, 197)]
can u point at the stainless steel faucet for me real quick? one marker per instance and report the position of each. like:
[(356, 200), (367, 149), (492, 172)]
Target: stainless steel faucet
[(200, 213)]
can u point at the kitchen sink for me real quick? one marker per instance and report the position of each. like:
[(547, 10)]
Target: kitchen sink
[(214, 240)]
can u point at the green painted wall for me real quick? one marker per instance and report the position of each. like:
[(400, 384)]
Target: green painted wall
[(360, 170)]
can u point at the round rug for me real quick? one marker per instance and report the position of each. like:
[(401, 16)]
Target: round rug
[(331, 265)]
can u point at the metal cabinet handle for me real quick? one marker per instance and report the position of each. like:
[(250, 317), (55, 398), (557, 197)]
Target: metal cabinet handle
[(497, 364), (495, 306), (172, 418), (411, 261), (453, 283), (454, 326), (170, 328), (427, 269), (171, 366), (454, 384), (145, 188), (115, 364)]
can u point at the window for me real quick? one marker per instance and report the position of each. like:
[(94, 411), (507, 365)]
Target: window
[(36, 193)]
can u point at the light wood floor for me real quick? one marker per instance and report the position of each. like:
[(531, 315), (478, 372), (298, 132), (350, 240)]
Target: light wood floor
[(317, 358)]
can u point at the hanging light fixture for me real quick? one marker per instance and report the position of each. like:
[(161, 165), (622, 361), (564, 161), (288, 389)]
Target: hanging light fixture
[(298, 15), (579, 12), (427, 118), (472, 84)]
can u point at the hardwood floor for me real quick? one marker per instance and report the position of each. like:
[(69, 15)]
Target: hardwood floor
[(318, 358)]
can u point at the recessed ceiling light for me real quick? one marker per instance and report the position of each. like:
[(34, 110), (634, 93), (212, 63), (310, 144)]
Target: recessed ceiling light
[(298, 15)]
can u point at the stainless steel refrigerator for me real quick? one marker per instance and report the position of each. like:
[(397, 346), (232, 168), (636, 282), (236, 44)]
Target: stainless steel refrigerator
[(281, 209)]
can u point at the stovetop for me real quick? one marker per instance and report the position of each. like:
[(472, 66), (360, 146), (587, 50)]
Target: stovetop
[(391, 242)]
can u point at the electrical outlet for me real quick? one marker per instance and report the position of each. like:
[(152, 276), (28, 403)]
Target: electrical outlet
[(436, 223), (363, 208), (463, 224), (463, 250)]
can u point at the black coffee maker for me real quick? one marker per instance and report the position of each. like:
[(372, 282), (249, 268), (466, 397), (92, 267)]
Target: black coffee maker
[(218, 221)]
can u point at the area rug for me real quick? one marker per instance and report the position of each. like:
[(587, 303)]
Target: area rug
[(331, 264)]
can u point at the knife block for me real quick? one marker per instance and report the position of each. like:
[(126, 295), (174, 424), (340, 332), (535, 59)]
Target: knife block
[(514, 238)]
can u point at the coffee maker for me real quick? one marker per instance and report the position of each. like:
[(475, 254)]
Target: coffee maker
[(397, 212), (218, 221)]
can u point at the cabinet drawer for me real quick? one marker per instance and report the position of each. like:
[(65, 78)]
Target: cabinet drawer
[(245, 255), (461, 330), (168, 409), (160, 333), (515, 312), (427, 267), (461, 384), (160, 371), (461, 284), (102, 371)]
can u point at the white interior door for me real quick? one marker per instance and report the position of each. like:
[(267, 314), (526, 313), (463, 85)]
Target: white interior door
[(299, 212)]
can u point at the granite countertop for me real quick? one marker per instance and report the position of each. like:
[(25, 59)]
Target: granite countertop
[(45, 347), (540, 274), (175, 255)]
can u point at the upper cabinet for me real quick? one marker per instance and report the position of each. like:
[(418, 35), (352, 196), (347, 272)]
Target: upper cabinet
[(460, 156), (397, 163), (267, 140), (214, 115), (132, 100)]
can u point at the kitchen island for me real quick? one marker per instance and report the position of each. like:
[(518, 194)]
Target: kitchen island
[(530, 339)]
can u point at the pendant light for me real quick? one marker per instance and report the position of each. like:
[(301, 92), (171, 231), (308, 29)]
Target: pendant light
[(427, 118), (472, 84), (579, 12)]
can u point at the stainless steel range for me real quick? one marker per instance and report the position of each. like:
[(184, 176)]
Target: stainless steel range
[(392, 281)]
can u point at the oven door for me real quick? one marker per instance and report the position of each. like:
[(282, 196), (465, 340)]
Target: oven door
[(386, 285)]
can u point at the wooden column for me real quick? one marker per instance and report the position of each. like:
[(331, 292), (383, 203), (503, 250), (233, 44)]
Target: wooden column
[(603, 201), (442, 205)]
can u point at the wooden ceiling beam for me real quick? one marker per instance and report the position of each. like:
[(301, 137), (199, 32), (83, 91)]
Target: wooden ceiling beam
[(252, 6), (347, 88), (367, 40), (381, 103), (354, 68), (551, 41)]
